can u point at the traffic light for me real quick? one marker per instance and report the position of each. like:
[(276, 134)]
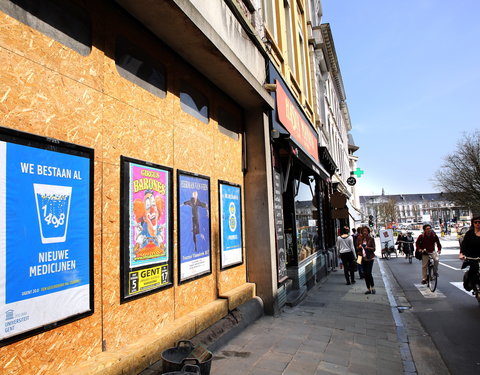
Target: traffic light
[(370, 223)]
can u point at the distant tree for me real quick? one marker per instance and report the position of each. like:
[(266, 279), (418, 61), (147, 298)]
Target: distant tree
[(387, 211), (459, 177)]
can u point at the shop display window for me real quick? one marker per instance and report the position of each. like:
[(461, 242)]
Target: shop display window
[(301, 214)]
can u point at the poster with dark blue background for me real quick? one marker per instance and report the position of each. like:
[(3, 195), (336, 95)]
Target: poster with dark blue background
[(194, 225)]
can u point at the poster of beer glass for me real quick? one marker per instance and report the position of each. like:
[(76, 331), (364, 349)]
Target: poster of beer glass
[(231, 248), (146, 260), (194, 226), (46, 205)]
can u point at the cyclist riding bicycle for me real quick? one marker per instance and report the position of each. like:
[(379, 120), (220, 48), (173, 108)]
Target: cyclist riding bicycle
[(470, 247), (407, 244), (426, 244)]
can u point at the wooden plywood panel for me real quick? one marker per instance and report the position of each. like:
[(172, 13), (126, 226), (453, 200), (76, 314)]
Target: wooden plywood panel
[(137, 134), (124, 324), (39, 101), (45, 51)]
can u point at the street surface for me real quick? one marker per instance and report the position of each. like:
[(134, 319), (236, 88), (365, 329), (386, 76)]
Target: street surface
[(450, 315)]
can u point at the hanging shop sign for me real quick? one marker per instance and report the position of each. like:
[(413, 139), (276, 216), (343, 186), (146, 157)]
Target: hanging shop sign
[(46, 195), (146, 243), (194, 254), (290, 117), (231, 245), (351, 181)]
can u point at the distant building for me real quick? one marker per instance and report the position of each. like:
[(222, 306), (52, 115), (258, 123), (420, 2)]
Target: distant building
[(433, 208)]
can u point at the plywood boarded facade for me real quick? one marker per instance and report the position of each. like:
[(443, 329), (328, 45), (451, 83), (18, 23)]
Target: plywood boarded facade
[(50, 90)]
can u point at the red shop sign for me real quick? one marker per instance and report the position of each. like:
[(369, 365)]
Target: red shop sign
[(290, 117)]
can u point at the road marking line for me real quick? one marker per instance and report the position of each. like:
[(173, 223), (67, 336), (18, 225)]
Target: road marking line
[(459, 285), (427, 293), (453, 268)]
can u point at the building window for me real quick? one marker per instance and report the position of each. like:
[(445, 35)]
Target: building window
[(303, 61), (193, 102), (137, 67), (228, 124), (289, 32), (269, 16), (62, 21)]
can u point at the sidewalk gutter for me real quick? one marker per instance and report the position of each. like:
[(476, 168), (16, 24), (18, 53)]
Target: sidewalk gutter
[(419, 353)]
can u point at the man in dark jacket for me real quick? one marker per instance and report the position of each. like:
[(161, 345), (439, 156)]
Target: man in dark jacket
[(426, 244)]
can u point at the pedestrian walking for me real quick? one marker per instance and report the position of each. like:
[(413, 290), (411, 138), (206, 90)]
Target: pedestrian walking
[(355, 241), (347, 254), (426, 245), (366, 249)]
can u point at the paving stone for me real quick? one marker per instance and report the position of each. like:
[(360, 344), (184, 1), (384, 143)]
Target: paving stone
[(313, 346), (325, 367), (361, 368), (301, 367), (289, 346)]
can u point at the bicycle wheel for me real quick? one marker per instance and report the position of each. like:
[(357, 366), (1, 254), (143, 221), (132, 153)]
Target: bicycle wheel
[(431, 278), (387, 255), (410, 258)]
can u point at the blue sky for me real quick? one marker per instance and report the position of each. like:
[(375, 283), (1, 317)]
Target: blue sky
[(411, 72)]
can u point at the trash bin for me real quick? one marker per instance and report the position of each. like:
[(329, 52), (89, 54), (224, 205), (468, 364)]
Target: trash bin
[(186, 370), (174, 359)]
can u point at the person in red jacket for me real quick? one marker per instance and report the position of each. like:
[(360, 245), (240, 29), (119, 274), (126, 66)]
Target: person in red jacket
[(426, 244)]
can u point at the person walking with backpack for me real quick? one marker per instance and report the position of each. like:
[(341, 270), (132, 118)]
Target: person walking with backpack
[(426, 245), (347, 254)]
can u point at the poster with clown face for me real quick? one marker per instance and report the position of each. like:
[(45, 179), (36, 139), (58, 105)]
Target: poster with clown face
[(146, 261), (148, 208)]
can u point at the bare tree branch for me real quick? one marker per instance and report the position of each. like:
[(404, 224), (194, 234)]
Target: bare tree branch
[(459, 177)]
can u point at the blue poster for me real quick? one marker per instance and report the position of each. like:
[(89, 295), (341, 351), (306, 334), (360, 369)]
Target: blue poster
[(231, 225), (194, 226), (45, 246)]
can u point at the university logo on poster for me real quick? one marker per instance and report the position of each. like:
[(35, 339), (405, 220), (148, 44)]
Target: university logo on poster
[(148, 215), (194, 225), (44, 237), (231, 225)]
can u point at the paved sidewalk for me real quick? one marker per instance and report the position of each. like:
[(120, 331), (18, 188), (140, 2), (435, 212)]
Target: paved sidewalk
[(337, 329)]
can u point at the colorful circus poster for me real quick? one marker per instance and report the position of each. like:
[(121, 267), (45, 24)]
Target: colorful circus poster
[(45, 233), (194, 226), (146, 189)]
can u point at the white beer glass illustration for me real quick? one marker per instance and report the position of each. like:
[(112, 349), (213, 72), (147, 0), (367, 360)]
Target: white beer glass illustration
[(53, 207)]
